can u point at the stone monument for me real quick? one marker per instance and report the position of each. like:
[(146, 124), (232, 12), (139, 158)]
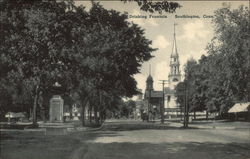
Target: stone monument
[(56, 109)]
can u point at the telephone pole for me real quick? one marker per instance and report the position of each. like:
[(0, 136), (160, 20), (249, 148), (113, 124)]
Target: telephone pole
[(162, 108), (186, 110)]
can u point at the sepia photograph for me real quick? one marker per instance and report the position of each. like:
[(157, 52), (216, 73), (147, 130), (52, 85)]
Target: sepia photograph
[(124, 79)]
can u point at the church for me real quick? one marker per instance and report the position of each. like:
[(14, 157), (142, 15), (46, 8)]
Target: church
[(171, 106), (153, 99)]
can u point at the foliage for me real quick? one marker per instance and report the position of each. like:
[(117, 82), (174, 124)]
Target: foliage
[(115, 49), (93, 55), (33, 44), (180, 94), (156, 6), (126, 108), (221, 78)]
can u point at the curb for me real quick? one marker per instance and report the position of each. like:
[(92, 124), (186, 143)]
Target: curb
[(219, 128), (21, 130), (211, 127), (43, 129)]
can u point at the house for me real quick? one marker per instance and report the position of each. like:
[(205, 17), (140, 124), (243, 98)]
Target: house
[(240, 111)]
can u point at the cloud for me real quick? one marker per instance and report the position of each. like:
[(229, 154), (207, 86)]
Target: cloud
[(161, 73), (194, 31), (160, 42), (141, 81)]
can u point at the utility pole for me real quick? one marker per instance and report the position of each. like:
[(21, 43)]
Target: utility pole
[(149, 97), (163, 82), (149, 105), (186, 115)]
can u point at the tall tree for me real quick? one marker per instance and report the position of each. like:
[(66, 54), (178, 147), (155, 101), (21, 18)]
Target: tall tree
[(220, 79), (232, 34), (110, 50), (34, 51), (86, 52)]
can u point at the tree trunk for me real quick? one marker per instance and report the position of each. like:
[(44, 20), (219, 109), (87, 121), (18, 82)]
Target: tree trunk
[(9, 118), (83, 115), (100, 107), (181, 112), (70, 113), (84, 102), (101, 116), (35, 106), (90, 113), (95, 115), (43, 114), (194, 114), (162, 110), (187, 116), (185, 122), (184, 117), (206, 114)]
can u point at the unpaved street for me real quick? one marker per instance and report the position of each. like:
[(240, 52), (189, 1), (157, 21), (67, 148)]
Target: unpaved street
[(133, 144)]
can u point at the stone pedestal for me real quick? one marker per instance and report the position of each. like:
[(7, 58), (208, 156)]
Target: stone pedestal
[(56, 109)]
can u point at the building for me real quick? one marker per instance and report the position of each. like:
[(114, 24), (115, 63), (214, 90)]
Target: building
[(152, 100), (240, 111), (174, 77)]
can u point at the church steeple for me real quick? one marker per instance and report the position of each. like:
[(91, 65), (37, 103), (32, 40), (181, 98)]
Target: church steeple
[(174, 75), (174, 48), (150, 80)]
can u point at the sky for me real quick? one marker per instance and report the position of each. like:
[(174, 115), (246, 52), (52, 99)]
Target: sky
[(192, 34)]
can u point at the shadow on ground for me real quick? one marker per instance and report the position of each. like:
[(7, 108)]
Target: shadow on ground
[(164, 151), (79, 145), (139, 126)]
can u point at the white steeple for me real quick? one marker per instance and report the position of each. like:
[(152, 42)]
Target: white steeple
[(174, 75), (174, 48)]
